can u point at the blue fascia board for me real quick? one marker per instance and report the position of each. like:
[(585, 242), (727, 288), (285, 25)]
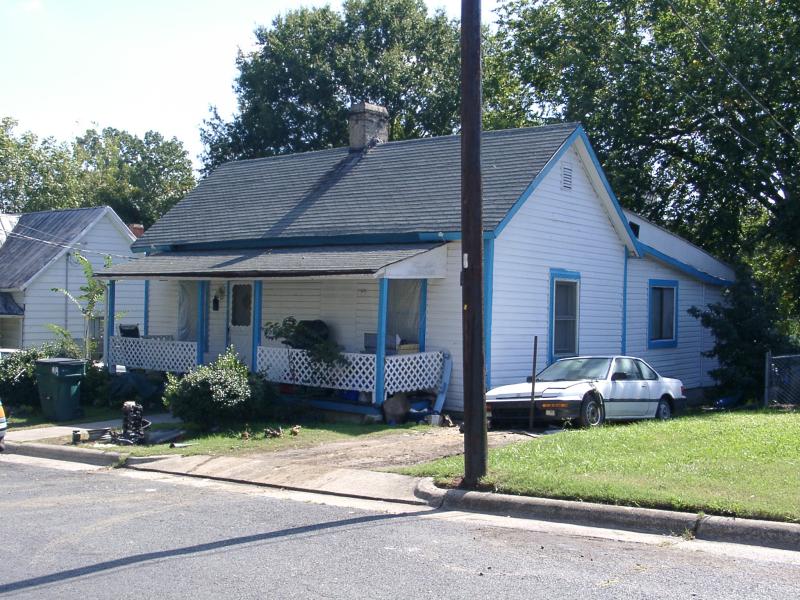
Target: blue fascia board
[(146, 319), (110, 308), (564, 274), (333, 240), (537, 181), (658, 344), (227, 314), (684, 267), (488, 287), (256, 331)]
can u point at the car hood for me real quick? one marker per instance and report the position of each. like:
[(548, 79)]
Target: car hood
[(523, 390)]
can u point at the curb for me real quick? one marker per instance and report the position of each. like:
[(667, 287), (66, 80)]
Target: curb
[(66, 453), (785, 536)]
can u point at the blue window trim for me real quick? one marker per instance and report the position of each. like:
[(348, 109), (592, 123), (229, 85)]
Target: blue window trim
[(257, 296), (380, 351), (624, 340), (423, 313), (561, 275), (682, 266), (662, 283), (146, 325), (488, 287)]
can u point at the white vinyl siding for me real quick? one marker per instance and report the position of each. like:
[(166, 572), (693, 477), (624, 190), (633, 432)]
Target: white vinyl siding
[(555, 229), (44, 306), (684, 360)]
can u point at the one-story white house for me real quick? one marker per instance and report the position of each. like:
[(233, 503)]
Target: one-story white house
[(367, 239), (38, 254)]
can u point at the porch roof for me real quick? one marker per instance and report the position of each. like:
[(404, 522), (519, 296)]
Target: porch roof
[(404, 261), (9, 307)]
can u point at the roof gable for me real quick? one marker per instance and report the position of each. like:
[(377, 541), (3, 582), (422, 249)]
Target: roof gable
[(405, 187), (38, 239)]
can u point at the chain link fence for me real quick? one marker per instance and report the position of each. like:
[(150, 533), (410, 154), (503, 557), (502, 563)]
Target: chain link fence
[(782, 380)]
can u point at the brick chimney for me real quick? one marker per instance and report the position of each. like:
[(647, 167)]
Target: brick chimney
[(137, 229), (369, 123)]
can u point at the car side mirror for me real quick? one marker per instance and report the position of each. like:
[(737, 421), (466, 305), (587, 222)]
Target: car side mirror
[(529, 379), (619, 376)]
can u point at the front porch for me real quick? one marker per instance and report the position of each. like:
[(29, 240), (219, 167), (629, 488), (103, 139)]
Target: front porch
[(378, 321)]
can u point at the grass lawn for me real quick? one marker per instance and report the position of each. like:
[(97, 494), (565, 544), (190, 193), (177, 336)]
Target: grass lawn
[(745, 464), (34, 418), (231, 442)]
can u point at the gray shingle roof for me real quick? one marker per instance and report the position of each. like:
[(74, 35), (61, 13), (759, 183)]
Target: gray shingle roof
[(276, 262), (399, 187), (37, 238)]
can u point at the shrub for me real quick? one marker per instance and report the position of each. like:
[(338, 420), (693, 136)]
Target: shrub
[(95, 387), (18, 376), (222, 391)]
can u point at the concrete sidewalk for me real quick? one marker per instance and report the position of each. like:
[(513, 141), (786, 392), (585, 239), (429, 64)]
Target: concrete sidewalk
[(45, 433)]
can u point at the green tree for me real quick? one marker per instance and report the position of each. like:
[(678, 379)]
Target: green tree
[(140, 178), (692, 107), (295, 89), (35, 174)]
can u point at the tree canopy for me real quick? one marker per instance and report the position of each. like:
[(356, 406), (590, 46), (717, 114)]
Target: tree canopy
[(692, 107), (295, 88), (140, 178)]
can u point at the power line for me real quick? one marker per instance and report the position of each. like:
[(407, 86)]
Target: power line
[(730, 73), (69, 247)]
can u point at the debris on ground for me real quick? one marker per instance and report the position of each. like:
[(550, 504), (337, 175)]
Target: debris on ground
[(165, 435), (134, 427), (295, 430), (245, 435), (269, 432), (447, 421), (181, 444)]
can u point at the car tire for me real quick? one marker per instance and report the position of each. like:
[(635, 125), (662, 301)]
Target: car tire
[(592, 412), (664, 410)]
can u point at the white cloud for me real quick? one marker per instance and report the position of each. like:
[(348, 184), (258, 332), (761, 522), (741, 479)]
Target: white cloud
[(31, 6)]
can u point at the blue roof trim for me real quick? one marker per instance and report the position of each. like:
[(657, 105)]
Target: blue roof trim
[(337, 240), (684, 267), (614, 201), (537, 180)]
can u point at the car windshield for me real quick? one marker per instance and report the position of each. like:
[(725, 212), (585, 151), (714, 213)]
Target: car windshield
[(573, 369)]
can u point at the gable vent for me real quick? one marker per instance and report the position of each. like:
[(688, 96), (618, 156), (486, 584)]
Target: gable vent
[(566, 177)]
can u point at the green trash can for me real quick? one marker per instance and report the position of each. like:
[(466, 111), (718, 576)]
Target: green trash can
[(59, 383)]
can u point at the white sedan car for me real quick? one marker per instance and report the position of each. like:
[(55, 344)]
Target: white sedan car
[(589, 390)]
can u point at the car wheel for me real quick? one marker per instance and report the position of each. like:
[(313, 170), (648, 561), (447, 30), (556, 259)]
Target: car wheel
[(664, 410), (592, 413)]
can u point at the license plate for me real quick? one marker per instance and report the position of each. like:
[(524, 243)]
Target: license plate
[(550, 413)]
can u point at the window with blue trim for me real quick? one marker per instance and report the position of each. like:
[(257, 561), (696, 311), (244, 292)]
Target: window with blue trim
[(663, 314), (564, 313)]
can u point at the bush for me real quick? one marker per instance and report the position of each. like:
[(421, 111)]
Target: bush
[(221, 392), (18, 376), (95, 387)]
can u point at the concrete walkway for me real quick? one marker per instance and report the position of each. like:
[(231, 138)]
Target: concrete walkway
[(45, 433)]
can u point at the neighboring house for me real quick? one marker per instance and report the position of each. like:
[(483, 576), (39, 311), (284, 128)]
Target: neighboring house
[(37, 255), (367, 238)]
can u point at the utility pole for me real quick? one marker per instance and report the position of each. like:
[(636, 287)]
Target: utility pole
[(475, 444)]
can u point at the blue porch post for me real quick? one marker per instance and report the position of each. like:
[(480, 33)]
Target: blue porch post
[(110, 299), (146, 326), (380, 351), (202, 297), (257, 295), (423, 313)]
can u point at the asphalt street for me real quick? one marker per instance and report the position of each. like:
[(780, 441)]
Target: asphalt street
[(72, 533)]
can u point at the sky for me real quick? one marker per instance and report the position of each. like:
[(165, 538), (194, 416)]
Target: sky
[(67, 65)]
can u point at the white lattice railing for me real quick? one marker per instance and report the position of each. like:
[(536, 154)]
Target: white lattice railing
[(403, 372), (287, 365), (153, 354), (413, 372)]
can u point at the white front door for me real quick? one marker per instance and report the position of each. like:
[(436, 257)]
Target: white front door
[(240, 320)]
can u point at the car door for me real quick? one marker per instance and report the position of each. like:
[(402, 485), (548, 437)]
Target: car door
[(655, 387), (630, 394)]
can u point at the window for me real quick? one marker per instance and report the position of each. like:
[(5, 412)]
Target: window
[(647, 372), (663, 322), (241, 305), (627, 366), (564, 289)]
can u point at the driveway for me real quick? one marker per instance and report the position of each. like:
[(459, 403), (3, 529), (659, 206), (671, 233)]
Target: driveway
[(383, 451)]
